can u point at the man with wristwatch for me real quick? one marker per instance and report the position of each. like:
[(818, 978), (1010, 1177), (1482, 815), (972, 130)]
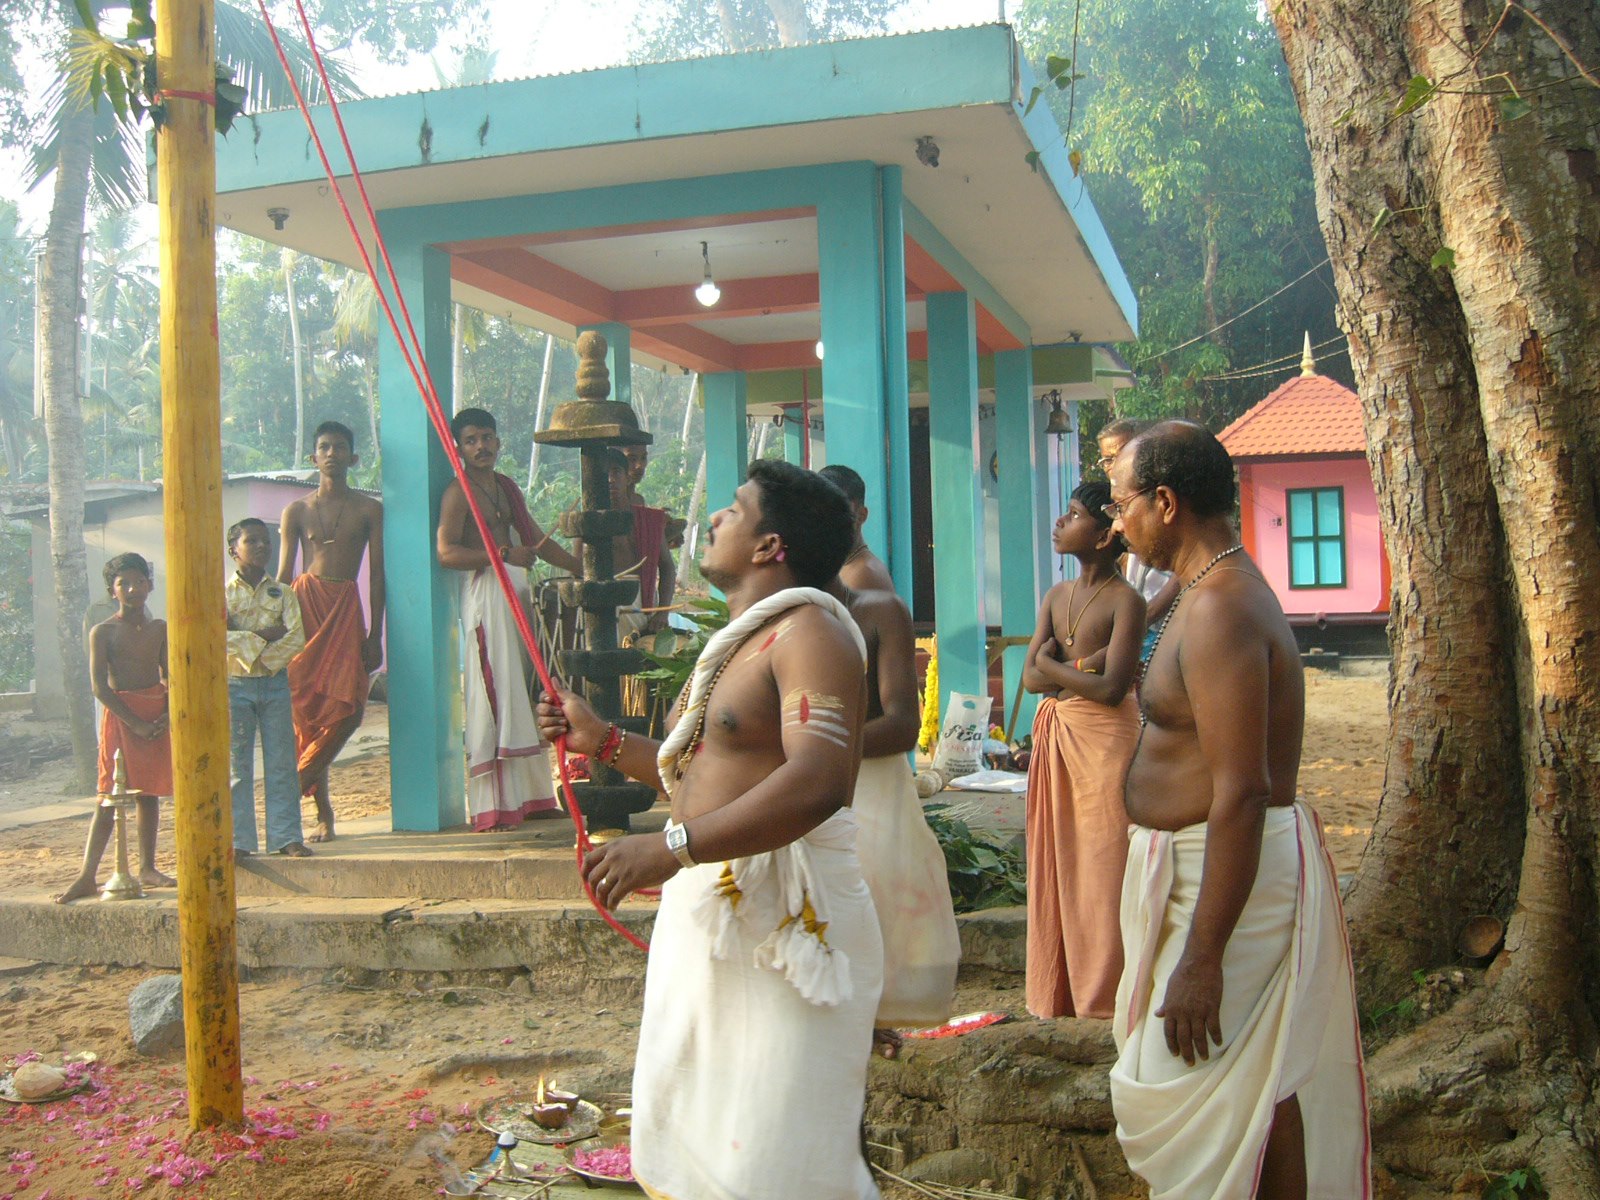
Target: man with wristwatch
[(766, 962)]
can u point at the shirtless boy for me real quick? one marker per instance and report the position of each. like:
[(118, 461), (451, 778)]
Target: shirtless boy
[(128, 666), (508, 773), (331, 530), (1082, 657)]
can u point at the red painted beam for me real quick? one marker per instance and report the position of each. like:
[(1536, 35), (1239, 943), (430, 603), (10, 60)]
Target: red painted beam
[(740, 298), (564, 237), (532, 282), (777, 356), (924, 275)]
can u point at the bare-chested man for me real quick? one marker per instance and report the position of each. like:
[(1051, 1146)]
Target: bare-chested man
[(508, 772), (128, 667), (901, 859), (863, 571), (765, 962), (658, 574), (330, 531), (1239, 1070)]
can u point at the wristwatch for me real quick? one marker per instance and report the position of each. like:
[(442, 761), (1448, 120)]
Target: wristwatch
[(678, 843)]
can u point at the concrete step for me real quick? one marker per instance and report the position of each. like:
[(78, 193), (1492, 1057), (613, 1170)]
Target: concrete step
[(560, 944), (537, 861)]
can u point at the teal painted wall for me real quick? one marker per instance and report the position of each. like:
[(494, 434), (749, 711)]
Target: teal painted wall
[(1017, 421), (427, 765), (849, 245), (794, 435), (957, 494), (896, 388), (625, 105), (727, 439)]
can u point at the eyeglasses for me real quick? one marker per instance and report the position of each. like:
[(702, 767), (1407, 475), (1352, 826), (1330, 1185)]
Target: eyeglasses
[(1116, 508), (1104, 462)]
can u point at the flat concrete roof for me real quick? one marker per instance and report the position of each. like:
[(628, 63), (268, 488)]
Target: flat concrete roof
[(1032, 236)]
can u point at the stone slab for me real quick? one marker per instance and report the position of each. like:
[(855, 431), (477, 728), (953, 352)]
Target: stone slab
[(556, 940)]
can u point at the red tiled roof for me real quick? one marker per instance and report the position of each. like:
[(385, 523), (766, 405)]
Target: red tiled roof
[(1310, 414)]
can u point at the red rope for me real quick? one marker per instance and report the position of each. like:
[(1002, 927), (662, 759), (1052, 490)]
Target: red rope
[(411, 350)]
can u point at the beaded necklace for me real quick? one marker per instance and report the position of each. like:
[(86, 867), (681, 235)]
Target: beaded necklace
[(686, 755), (1167, 620)]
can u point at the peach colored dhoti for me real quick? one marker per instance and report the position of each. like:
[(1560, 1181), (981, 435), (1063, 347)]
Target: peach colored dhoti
[(1077, 845)]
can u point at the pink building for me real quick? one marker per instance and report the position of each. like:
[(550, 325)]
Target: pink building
[(1308, 514)]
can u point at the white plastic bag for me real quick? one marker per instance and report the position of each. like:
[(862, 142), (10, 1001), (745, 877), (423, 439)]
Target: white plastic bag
[(966, 724)]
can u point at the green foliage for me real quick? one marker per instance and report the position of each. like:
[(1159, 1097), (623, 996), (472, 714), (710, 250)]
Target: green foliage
[(984, 873), (674, 654), (694, 28), (1396, 1016), (1523, 1182), (1192, 147), (16, 608)]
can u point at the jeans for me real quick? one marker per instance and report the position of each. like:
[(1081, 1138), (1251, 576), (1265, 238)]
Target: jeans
[(263, 702)]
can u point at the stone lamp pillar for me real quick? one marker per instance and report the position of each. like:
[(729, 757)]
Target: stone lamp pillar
[(594, 423)]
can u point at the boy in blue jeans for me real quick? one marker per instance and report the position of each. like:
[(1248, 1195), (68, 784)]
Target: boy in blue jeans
[(264, 633)]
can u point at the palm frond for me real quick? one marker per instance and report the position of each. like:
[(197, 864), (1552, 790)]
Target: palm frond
[(245, 45)]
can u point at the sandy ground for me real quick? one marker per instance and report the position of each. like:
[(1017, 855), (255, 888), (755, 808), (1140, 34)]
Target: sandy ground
[(348, 1087)]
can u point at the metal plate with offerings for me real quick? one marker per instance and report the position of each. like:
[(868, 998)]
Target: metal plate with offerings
[(515, 1115)]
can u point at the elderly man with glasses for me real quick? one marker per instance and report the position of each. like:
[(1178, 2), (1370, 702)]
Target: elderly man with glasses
[(1239, 1068)]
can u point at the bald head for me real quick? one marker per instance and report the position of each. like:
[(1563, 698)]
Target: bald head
[(1188, 459)]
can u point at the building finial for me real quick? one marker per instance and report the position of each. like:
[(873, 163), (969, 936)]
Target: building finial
[(1308, 365)]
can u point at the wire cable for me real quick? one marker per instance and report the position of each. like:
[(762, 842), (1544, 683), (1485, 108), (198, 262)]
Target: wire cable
[(416, 364), (1218, 328)]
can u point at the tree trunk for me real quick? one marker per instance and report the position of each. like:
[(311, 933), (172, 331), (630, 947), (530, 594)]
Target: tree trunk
[(1208, 280), (794, 23), (289, 260), (1481, 391), (61, 293), (538, 415)]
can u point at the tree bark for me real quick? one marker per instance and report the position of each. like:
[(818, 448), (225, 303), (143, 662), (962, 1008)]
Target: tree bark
[(61, 293), (794, 23), (1447, 835), (290, 258), (1480, 384)]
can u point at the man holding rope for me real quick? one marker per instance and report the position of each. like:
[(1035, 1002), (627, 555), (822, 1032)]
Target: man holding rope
[(766, 961)]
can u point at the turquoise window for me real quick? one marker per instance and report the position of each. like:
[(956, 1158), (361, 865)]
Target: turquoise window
[(1316, 538)]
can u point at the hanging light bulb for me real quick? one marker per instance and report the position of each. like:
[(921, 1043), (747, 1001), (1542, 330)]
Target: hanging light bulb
[(819, 351), (708, 293)]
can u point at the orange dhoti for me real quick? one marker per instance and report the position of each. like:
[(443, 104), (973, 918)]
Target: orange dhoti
[(147, 761), (327, 679), (1077, 852)]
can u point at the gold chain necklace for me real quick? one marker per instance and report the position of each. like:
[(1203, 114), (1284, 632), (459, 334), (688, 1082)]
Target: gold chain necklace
[(1072, 626), (316, 510)]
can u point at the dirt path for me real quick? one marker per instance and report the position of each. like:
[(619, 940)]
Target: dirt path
[(349, 1084)]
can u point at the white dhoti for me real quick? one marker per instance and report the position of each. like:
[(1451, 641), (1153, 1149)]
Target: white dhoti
[(1289, 1024), (745, 1089), (508, 770), (905, 871), (759, 995)]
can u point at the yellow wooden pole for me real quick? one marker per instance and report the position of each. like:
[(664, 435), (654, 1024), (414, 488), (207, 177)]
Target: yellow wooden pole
[(191, 426)]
